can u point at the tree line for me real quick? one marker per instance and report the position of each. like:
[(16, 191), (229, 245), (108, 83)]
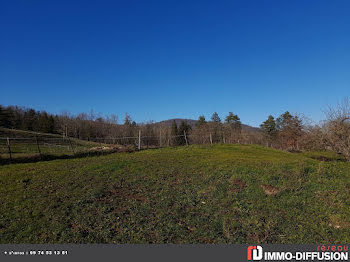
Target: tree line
[(287, 131)]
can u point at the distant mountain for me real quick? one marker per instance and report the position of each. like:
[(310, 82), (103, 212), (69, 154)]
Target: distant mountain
[(250, 128), (192, 123), (178, 121)]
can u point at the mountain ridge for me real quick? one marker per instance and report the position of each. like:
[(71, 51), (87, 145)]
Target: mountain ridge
[(192, 123)]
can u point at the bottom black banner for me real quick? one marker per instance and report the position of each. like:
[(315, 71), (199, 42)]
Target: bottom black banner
[(154, 253)]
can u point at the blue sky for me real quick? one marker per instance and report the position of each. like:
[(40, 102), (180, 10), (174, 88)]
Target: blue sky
[(175, 59)]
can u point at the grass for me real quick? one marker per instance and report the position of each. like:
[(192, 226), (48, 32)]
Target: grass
[(195, 194), (324, 155)]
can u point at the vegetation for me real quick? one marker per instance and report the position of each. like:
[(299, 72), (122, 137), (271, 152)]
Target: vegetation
[(287, 131), (268, 128), (194, 194), (337, 129), (220, 189)]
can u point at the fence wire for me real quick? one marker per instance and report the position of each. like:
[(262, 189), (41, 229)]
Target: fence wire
[(47, 145), (19, 147)]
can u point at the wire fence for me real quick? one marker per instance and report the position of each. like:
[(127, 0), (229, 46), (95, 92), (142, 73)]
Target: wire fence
[(36, 147), (18, 149)]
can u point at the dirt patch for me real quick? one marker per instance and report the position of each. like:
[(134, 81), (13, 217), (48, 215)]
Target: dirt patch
[(270, 190), (258, 238), (238, 185), (124, 193), (102, 148), (112, 148), (337, 222)]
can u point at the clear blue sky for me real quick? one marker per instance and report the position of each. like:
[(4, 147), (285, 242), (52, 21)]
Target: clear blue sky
[(164, 59)]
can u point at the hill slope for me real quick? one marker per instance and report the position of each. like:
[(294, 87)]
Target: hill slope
[(195, 194)]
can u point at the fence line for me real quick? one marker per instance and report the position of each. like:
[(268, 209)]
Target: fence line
[(11, 147)]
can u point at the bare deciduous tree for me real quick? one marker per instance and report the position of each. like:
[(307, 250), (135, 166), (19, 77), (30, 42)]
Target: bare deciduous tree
[(337, 128)]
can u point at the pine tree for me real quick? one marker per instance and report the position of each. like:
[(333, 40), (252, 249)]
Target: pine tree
[(4, 117), (269, 129), (234, 121), (201, 121), (289, 129), (43, 123), (51, 125), (216, 128), (29, 120), (215, 118), (284, 120), (234, 127)]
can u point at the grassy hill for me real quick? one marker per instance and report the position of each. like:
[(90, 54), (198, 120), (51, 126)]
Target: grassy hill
[(195, 194)]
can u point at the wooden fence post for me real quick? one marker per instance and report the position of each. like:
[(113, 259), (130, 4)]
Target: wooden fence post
[(211, 138), (37, 144), (9, 148), (139, 139), (185, 138)]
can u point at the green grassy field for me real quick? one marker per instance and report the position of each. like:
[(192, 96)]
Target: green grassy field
[(195, 194)]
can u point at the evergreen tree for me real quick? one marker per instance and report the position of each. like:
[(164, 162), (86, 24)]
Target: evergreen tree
[(269, 129), (216, 128), (284, 120), (43, 123), (51, 125), (215, 118), (29, 121), (234, 127), (201, 121), (289, 129), (16, 117), (234, 121), (57, 126), (4, 118)]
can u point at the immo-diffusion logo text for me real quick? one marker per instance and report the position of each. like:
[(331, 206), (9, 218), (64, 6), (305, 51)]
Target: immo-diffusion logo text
[(256, 253)]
